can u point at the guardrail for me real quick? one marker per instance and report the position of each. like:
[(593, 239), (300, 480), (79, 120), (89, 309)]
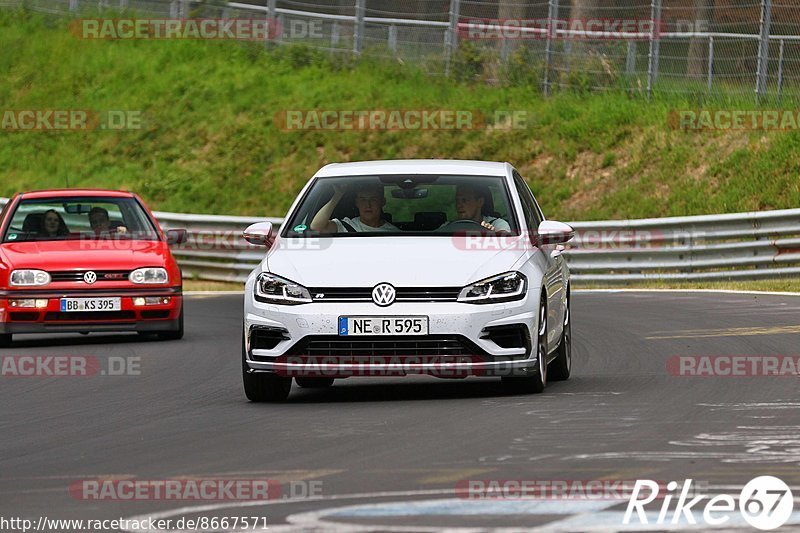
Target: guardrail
[(757, 245)]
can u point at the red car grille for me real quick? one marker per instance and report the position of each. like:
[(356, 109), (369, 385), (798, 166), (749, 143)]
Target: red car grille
[(102, 275), (23, 317), (92, 316)]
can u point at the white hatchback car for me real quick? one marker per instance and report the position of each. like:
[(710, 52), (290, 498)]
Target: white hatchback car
[(387, 268)]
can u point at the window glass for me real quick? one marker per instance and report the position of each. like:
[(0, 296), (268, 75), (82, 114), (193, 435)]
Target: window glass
[(404, 205), (79, 218)]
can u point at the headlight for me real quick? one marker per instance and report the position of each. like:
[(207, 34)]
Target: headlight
[(276, 290), (149, 275), (29, 278), (503, 288)]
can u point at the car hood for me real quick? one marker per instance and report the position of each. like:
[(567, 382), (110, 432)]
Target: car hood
[(85, 255), (401, 261)]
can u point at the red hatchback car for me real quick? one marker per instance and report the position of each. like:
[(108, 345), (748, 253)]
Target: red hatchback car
[(87, 261)]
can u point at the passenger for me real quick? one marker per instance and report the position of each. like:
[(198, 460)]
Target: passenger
[(369, 201), (472, 204), (53, 225)]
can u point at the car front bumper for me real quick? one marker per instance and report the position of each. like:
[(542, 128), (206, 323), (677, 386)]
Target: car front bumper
[(50, 319), (306, 340)]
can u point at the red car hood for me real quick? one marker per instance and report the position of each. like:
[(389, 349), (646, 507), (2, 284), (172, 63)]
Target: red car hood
[(85, 255)]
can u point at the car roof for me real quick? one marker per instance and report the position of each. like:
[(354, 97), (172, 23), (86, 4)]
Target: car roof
[(71, 193), (415, 166)]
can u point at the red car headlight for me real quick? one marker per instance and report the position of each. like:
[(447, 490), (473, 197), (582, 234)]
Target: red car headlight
[(29, 278), (149, 275)]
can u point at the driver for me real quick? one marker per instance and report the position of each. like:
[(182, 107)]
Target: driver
[(369, 200), (99, 220), (470, 203)]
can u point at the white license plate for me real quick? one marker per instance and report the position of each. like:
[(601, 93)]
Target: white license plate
[(383, 325), (74, 305)]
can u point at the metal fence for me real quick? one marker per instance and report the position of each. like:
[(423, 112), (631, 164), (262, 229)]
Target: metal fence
[(741, 246), (699, 47)]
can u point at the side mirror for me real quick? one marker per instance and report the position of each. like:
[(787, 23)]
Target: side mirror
[(259, 234), (553, 232), (177, 236)]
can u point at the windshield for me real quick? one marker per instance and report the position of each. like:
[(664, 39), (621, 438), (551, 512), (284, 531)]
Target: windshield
[(54, 219), (401, 205)]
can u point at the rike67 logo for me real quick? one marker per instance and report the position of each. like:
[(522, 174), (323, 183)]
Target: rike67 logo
[(765, 503)]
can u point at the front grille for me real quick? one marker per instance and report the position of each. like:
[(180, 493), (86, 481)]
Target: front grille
[(266, 338), (510, 336), (23, 317), (404, 294), (102, 275), (386, 346), (90, 316), (155, 315)]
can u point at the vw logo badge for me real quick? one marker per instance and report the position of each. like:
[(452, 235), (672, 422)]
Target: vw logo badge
[(90, 277), (383, 294)]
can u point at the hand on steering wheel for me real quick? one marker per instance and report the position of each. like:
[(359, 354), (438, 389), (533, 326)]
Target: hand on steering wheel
[(482, 223)]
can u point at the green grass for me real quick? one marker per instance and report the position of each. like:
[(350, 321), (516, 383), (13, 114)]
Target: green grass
[(210, 144)]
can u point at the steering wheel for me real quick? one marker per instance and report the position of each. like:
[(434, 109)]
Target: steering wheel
[(464, 224)]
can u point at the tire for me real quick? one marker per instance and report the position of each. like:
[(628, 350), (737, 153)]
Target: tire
[(264, 387), (5, 340), (314, 383), (561, 367), (174, 335), (533, 384)]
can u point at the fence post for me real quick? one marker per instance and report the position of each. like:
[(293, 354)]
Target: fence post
[(630, 59), (335, 34), (655, 41), (273, 29), (552, 14), (184, 9), (451, 37), (174, 9), (358, 33), (280, 20), (710, 62), (393, 38), (73, 5), (780, 72), (123, 5), (763, 48)]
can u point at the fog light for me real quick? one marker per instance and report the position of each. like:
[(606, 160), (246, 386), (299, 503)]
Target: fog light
[(151, 300), (23, 303), (41, 304)]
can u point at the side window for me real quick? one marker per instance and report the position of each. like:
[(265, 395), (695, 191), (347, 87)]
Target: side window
[(532, 216)]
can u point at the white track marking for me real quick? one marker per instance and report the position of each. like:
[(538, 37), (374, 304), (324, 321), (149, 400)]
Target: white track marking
[(586, 515)]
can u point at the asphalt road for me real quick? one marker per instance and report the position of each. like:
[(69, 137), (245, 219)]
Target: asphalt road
[(386, 454)]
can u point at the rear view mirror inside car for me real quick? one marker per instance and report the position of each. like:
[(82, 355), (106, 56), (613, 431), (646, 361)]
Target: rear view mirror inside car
[(410, 194), (77, 209)]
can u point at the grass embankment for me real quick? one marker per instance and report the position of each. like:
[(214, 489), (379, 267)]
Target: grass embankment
[(209, 142)]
